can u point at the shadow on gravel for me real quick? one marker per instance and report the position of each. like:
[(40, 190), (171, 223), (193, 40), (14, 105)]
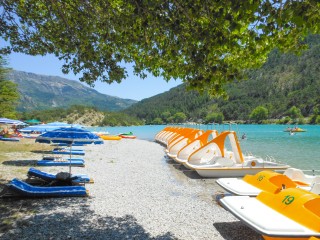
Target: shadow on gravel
[(192, 174), (236, 231), (180, 167), (70, 218), (20, 162), (42, 151)]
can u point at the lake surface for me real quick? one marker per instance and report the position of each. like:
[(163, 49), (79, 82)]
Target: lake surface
[(301, 150)]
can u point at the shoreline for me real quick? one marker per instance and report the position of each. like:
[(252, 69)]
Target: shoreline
[(138, 194)]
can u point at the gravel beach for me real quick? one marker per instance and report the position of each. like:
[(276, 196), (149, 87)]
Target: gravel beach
[(138, 194)]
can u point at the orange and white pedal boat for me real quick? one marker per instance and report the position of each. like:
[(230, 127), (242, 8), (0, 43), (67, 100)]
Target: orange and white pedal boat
[(291, 214)]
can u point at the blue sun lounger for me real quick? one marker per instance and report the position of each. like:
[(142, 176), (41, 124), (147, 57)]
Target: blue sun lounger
[(9, 139), (23, 189), (48, 177), (68, 151), (67, 145), (61, 162)]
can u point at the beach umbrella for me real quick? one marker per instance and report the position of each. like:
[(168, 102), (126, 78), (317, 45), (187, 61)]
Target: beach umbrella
[(42, 128), (8, 121), (69, 136)]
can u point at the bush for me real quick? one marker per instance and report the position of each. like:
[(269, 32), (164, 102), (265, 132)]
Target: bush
[(258, 114)]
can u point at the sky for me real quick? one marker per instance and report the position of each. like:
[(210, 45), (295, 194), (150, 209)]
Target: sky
[(132, 87)]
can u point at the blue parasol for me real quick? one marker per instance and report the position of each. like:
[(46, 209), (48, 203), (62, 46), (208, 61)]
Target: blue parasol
[(69, 136), (42, 128), (11, 121)]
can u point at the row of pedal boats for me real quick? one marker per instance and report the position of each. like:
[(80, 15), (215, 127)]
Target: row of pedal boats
[(272, 198), (206, 153)]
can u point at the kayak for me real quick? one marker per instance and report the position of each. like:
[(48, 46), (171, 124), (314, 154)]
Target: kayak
[(110, 137), (127, 136)]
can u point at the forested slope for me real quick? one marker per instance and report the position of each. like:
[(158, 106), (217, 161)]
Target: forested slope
[(284, 81)]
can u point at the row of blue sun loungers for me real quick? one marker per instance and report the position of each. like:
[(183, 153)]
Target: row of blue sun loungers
[(21, 188), (59, 161)]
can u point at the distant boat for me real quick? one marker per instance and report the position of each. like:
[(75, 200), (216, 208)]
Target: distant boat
[(295, 129)]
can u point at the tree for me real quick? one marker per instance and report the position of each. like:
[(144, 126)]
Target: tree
[(294, 112), (179, 117), (165, 115), (214, 117), (9, 95), (157, 121), (204, 43), (259, 113)]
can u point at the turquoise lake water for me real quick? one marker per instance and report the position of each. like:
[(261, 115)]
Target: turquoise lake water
[(301, 150)]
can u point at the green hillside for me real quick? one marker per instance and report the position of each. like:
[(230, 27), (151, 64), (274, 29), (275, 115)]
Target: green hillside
[(40, 92), (284, 81)]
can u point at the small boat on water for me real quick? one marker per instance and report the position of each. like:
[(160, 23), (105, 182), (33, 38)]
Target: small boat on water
[(213, 160), (252, 185), (294, 130), (292, 213)]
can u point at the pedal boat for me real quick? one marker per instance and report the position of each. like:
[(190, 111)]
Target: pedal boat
[(184, 153), (252, 185), (290, 214), (213, 160)]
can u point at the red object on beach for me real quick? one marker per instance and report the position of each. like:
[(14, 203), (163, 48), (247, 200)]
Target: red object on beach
[(128, 136)]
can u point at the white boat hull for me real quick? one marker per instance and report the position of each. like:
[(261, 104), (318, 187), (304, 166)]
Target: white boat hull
[(264, 219), (220, 172)]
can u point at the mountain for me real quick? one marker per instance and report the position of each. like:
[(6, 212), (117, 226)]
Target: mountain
[(286, 80), (177, 99), (39, 92)]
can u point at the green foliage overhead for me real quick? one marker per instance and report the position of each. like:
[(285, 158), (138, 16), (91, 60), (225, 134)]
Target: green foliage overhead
[(9, 95), (204, 43)]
